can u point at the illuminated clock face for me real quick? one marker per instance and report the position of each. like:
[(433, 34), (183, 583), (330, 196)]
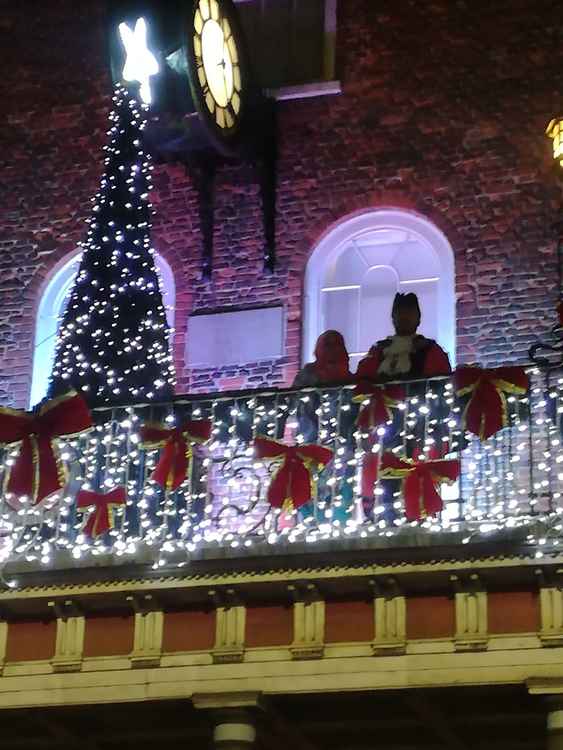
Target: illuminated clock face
[(218, 65)]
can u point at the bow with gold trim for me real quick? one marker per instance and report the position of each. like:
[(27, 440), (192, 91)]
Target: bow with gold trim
[(178, 442), (38, 471), (291, 486), (102, 504), (381, 400), (420, 479), (487, 412)]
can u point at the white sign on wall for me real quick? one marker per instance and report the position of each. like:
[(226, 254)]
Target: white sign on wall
[(235, 338)]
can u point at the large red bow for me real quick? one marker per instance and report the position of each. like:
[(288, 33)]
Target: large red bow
[(101, 520), (487, 412), (291, 485), (419, 482), (381, 400), (174, 462), (38, 471)]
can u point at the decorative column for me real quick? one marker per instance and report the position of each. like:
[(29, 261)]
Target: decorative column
[(555, 723), (234, 730), (3, 643), (308, 622), (551, 615), (551, 688), (471, 621), (233, 717), (69, 645), (230, 627), (147, 639), (389, 609)]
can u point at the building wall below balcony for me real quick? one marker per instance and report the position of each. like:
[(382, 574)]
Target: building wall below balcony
[(448, 123), (316, 645)]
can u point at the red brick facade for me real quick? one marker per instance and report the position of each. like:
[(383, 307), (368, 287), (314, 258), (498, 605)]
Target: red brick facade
[(443, 110)]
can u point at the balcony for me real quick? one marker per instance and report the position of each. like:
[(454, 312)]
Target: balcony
[(507, 498)]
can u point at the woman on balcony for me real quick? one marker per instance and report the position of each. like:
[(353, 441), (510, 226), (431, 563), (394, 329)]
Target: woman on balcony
[(316, 410), (331, 365)]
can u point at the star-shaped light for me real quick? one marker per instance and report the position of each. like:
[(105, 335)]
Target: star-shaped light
[(140, 63)]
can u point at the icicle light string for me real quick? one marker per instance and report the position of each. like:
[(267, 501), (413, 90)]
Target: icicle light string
[(499, 492)]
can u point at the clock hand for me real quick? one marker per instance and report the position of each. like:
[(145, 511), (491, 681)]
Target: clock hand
[(223, 64)]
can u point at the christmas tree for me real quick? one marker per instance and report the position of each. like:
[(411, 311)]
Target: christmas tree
[(113, 342)]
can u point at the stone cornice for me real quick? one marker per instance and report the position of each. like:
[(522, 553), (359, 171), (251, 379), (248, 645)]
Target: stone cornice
[(260, 576)]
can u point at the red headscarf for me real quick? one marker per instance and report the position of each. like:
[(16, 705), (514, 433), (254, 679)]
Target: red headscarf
[(332, 363)]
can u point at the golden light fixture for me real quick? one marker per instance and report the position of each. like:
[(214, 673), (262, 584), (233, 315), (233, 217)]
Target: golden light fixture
[(555, 131)]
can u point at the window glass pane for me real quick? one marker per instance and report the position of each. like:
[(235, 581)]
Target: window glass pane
[(416, 260), (385, 251), (51, 309), (348, 267), (427, 293), (340, 312), (376, 253), (378, 290)]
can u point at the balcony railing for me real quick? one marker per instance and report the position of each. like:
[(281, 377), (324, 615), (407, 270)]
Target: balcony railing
[(510, 486)]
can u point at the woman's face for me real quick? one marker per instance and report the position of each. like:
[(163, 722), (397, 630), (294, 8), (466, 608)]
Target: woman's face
[(332, 346)]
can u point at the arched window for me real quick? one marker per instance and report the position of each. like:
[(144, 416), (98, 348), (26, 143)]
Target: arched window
[(51, 308), (357, 268)]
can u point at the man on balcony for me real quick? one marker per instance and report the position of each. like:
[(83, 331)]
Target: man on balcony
[(406, 355), (403, 357)]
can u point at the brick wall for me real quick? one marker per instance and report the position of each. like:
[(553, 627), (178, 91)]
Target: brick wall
[(443, 109)]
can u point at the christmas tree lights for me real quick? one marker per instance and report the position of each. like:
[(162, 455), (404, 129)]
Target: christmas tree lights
[(113, 342)]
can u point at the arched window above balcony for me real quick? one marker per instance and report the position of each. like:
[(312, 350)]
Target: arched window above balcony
[(52, 306), (357, 268)]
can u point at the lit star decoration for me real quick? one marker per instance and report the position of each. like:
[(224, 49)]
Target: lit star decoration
[(140, 63), (113, 342)]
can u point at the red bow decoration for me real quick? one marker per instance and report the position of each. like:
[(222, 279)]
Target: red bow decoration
[(290, 487), (381, 400), (487, 412), (38, 471), (101, 520), (419, 482), (174, 462)]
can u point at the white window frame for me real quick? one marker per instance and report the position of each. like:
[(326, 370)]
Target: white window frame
[(51, 307), (351, 228)]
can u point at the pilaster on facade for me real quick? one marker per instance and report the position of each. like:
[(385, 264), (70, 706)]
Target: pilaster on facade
[(69, 642), (3, 644), (147, 638), (390, 619), (230, 627), (308, 622), (551, 616), (471, 618)]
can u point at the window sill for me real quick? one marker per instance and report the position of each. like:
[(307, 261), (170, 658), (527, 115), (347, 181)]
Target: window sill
[(305, 90)]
